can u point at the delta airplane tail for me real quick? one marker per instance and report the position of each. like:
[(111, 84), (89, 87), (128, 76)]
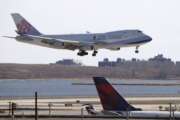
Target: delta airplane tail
[(110, 99), (23, 26)]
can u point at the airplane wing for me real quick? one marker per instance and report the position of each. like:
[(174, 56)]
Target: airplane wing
[(100, 43), (68, 44)]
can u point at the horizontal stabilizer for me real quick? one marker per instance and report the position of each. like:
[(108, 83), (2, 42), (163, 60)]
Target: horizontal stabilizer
[(9, 37)]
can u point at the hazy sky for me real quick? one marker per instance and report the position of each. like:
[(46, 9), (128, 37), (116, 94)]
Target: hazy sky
[(158, 18)]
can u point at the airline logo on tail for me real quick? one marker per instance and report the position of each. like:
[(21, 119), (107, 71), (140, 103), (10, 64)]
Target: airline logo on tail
[(23, 27), (110, 99)]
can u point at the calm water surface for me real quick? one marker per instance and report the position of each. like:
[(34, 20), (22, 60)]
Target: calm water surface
[(26, 88)]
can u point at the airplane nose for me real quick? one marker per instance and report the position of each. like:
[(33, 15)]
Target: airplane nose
[(148, 38)]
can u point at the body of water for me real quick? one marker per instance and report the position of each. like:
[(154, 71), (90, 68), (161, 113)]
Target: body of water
[(58, 88)]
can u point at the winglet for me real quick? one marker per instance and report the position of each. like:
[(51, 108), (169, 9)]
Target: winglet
[(110, 99), (23, 26)]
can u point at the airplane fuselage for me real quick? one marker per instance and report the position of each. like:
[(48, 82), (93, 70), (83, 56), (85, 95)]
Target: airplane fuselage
[(152, 114), (142, 114), (110, 40)]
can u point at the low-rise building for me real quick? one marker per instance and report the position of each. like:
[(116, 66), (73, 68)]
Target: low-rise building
[(68, 62)]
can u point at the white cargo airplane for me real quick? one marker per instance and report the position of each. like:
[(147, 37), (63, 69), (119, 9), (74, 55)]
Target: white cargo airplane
[(83, 42), (114, 104)]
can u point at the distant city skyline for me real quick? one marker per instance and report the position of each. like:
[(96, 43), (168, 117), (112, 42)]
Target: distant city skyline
[(157, 18), (158, 56), (157, 59)]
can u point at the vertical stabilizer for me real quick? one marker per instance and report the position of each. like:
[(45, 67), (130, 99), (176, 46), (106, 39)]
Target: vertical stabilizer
[(111, 100), (23, 26)]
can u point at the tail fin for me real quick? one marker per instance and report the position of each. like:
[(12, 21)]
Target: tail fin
[(111, 100), (23, 26)]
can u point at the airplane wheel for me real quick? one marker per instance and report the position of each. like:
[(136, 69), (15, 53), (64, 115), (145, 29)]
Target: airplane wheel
[(137, 51), (85, 53), (94, 53), (82, 53)]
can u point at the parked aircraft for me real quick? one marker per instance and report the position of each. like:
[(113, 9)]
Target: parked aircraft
[(83, 42), (114, 104)]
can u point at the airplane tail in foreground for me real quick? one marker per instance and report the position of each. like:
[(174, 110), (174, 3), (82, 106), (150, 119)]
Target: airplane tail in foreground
[(111, 100), (23, 26)]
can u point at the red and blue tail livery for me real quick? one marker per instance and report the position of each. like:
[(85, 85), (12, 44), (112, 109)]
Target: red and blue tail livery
[(110, 99)]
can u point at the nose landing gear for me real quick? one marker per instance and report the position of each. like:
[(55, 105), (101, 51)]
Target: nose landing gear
[(137, 51)]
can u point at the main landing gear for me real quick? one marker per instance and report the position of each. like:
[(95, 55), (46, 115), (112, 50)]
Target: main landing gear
[(82, 53), (94, 53), (137, 51)]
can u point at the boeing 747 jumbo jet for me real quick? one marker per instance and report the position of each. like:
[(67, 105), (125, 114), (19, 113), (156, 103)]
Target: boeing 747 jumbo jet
[(114, 104), (83, 42)]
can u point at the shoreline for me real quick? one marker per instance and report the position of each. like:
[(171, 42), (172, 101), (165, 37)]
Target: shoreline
[(90, 78), (83, 97)]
